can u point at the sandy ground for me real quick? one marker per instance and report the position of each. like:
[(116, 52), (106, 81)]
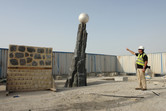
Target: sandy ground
[(99, 95)]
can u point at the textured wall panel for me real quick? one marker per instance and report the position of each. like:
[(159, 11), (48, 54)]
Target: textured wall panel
[(29, 68)]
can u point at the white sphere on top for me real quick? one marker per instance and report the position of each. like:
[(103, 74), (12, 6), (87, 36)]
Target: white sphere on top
[(83, 18)]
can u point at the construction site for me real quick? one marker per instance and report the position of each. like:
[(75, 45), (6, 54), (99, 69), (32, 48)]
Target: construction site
[(115, 62), (110, 86)]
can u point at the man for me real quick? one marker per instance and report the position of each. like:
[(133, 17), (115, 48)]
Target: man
[(142, 61)]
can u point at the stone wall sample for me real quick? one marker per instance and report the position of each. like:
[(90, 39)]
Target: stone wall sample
[(26, 56), (29, 68)]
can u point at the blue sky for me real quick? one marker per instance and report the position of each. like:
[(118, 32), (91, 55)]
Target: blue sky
[(113, 26)]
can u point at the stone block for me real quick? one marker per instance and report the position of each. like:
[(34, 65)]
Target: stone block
[(44, 57), (100, 75), (40, 50), (34, 63), (21, 48), (22, 62), (48, 56), (30, 49), (29, 60), (26, 54), (13, 48), (58, 77), (31, 55), (11, 55), (113, 74), (121, 79), (48, 62), (19, 55), (48, 51), (41, 62), (37, 56), (14, 61)]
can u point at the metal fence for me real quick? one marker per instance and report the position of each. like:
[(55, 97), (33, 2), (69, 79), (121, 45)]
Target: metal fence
[(3, 62), (157, 61), (62, 61), (96, 63)]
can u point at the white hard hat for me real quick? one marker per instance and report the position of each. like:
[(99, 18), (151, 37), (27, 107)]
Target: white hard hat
[(141, 47)]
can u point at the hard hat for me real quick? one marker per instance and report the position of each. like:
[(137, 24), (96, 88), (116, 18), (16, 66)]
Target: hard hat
[(141, 47)]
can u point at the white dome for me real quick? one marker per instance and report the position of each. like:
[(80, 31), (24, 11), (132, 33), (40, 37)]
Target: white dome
[(83, 18)]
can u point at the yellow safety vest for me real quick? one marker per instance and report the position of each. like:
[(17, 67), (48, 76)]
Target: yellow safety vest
[(140, 60)]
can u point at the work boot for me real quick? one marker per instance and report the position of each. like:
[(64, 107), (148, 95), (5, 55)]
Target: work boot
[(138, 88), (144, 89)]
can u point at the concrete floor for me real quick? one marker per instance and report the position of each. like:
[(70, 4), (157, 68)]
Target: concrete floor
[(101, 94)]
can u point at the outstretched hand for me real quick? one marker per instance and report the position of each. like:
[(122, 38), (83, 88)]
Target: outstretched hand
[(127, 49), (130, 51)]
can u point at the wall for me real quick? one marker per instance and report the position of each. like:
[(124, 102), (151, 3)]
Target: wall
[(26, 56), (29, 68), (95, 63), (157, 61), (3, 62), (61, 62), (126, 64), (101, 63)]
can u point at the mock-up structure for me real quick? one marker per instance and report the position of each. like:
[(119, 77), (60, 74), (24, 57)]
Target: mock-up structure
[(29, 68), (78, 75)]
